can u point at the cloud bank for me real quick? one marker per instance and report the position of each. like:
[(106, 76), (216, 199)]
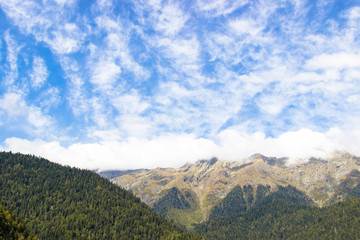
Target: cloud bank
[(173, 150)]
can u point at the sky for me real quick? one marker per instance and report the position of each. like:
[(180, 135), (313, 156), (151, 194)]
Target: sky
[(142, 84)]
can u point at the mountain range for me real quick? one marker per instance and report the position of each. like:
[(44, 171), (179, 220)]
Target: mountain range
[(190, 194), (210, 199)]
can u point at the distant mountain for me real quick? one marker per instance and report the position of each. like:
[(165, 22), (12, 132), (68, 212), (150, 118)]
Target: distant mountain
[(58, 202), (208, 182), (110, 174)]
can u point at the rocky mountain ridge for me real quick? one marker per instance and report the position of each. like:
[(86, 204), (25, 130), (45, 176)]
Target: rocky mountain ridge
[(209, 181)]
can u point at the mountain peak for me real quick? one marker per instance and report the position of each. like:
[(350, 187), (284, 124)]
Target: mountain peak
[(210, 162), (273, 161), (257, 156)]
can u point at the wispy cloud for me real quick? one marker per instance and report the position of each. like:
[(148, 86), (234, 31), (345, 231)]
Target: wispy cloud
[(39, 73), (151, 75), (11, 70), (219, 7), (16, 110)]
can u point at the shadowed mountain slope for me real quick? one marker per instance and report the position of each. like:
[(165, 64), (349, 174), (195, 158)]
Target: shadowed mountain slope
[(277, 218)]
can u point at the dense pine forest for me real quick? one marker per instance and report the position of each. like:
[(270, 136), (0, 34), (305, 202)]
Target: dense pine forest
[(57, 202), (12, 228), (285, 214)]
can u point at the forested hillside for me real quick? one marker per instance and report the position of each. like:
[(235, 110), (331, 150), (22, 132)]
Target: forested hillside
[(180, 207), (58, 202), (242, 199), (287, 215)]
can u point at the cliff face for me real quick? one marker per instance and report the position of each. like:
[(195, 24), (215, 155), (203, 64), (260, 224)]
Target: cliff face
[(209, 181)]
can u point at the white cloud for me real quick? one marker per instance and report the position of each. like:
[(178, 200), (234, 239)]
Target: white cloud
[(179, 107), (99, 113), (24, 13), (105, 73), (104, 5), (167, 18), (339, 60), (111, 58), (183, 57), (176, 150), (351, 75), (49, 98), (166, 151), (63, 44), (171, 20), (133, 125), (47, 22), (39, 74), (17, 110), (75, 80), (297, 145), (107, 23), (215, 8), (354, 16), (245, 26), (130, 103), (242, 40), (110, 135), (181, 50), (64, 2), (174, 38), (353, 99), (12, 104), (118, 50), (272, 104), (13, 49)]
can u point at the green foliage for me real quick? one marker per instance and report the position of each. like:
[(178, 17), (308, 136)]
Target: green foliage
[(287, 214), (291, 195), (248, 195), (59, 202), (172, 199), (179, 206), (233, 203), (186, 218), (12, 228), (242, 199), (350, 187), (261, 193)]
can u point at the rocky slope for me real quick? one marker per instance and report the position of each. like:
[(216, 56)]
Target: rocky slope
[(205, 183)]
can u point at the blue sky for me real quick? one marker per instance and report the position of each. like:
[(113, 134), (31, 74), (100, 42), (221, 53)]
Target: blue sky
[(132, 84)]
